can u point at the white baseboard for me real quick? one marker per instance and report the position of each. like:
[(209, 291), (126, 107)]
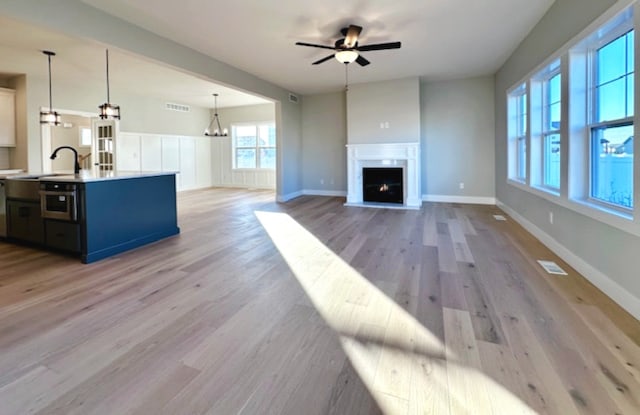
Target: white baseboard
[(324, 192), (311, 192), (611, 288), (289, 196), (473, 200)]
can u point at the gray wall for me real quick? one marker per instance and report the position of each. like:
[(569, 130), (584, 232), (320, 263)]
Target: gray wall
[(396, 103), (76, 18), (324, 136), (458, 137), (607, 249)]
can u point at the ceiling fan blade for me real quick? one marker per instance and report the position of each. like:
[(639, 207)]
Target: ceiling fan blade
[(323, 60), (352, 36), (379, 46), (314, 46), (362, 61)]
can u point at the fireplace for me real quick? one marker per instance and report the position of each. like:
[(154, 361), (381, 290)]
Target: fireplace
[(403, 157), (382, 185)]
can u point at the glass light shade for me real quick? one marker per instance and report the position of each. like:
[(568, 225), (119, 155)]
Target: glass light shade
[(346, 56), (109, 111), (49, 117)]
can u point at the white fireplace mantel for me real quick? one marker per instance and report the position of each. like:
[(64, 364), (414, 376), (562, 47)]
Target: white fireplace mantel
[(405, 155)]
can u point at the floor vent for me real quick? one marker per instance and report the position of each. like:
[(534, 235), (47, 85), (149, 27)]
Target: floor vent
[(177, 107), (499, 217), (552, 268)]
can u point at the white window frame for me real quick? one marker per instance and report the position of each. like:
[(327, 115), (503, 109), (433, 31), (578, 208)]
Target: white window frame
[(540, 121), (257, 147), (518, 132), (575, 183), (593, 123)]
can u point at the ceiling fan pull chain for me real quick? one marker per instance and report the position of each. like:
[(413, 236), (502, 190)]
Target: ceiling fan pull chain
[(346, 77)]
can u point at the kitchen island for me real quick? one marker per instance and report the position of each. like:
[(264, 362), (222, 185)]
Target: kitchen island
[(98, 214)]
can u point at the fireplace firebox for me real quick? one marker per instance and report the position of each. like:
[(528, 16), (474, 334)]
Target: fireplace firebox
[(382, 185)]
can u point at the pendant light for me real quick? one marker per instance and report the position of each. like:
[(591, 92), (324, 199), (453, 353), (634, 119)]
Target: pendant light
[(109, 111), (218, 131), (49, 117)]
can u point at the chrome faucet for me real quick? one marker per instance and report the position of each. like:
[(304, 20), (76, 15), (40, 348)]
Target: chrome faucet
[(76, 166)]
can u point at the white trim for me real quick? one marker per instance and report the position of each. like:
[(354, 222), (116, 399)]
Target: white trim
[(335, 193), (610, 287), (399, 155), (472, 200), (288, 197), (611, 217)]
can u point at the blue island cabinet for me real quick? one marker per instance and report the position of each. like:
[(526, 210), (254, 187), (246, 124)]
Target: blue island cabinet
[(126, 212)]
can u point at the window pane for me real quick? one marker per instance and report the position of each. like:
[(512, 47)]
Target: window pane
[(245, 135), (630, 103), (246, 141), (630, 53), (611, 62), (522, 115), (522, 158), (267, 158), (245, 158), (612, 165), (551, 160), (554, 89), (554, 117), (267, 134), (611, 101)]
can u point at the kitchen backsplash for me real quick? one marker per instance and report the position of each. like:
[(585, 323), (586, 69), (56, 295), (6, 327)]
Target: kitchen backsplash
[(4, 158)]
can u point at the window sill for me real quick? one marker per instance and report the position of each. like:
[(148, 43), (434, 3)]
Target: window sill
[(612, 217)]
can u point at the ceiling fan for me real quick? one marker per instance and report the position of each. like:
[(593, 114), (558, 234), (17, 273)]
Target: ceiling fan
[(347, 49)]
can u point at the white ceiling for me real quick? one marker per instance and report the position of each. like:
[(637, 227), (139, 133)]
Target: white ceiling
[(441, 39)]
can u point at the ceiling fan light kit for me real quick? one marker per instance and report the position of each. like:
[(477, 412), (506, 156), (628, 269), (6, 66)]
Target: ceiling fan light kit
[(346, 56)]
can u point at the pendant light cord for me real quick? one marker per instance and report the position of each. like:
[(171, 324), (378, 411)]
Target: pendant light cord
[(50, 94), (108, 98)]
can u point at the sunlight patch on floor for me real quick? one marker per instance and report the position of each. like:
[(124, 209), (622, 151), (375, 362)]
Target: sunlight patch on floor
[(404, 366)]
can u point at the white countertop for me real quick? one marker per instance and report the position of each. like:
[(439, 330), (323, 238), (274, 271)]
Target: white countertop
[(6, 173), (86, 176)]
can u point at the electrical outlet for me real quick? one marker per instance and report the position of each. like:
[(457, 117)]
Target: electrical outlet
[(551, 218), (386, 124), (321, 181), (461, 185)]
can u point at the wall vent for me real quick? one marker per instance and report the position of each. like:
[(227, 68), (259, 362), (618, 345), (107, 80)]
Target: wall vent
[(552, 268), (177, 107), (293, 98)]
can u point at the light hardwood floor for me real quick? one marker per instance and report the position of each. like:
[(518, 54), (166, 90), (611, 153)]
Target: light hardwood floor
[(311, 307)]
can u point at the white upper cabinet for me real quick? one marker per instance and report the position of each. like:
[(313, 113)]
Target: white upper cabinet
[(7, 117)]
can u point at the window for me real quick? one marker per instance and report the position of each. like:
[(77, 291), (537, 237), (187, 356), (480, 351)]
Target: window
[(551, 116), (254, 146), (517, 104), (611, 126), (85, 137)]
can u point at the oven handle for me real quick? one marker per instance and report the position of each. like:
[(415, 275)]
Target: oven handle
[(57, 193)]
